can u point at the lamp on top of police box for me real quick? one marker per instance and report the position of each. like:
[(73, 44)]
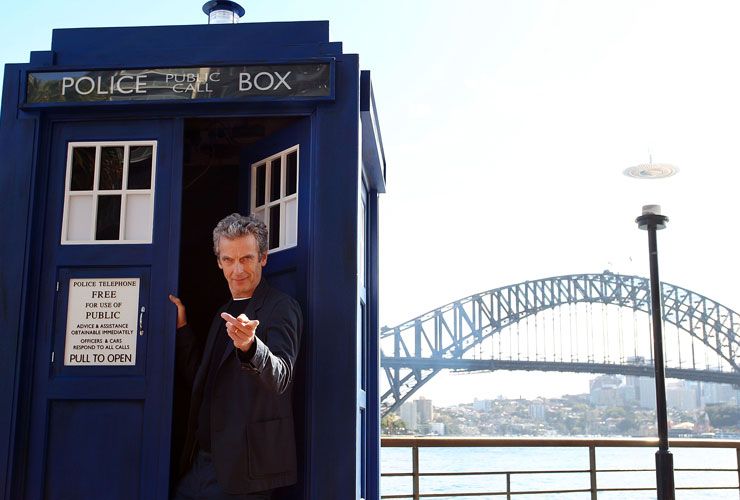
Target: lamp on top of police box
[(223, 12)]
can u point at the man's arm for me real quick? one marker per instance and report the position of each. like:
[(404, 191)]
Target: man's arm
[(273, 358), (187, 354)]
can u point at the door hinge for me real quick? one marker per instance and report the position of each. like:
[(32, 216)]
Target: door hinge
[(57, 286), (52, 357)]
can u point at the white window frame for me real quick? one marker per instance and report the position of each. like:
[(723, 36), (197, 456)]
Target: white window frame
[(282, 200), (95, 192)]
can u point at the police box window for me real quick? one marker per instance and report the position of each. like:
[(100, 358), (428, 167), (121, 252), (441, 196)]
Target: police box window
[(275, 196), (109, 191)]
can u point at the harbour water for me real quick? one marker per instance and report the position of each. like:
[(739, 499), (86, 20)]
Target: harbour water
[(540, 459)]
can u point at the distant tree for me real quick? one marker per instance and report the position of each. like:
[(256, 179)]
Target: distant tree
[(614, 412), (392, 424), (627, 425), (723, 415)]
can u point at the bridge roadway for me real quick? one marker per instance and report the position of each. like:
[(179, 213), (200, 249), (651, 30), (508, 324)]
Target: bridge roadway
[(472, 365)]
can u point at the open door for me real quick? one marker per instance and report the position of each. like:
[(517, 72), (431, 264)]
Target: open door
[(104, 332), (275, 174)]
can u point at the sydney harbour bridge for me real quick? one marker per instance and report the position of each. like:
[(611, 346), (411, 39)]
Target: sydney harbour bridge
[(589, 323)]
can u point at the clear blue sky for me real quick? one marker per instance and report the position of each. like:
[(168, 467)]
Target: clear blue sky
[(507, 125)]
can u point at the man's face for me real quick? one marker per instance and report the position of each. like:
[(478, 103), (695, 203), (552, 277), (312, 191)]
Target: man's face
[(242, 266)]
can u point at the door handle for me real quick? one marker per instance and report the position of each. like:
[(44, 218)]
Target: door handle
[(141, 320)]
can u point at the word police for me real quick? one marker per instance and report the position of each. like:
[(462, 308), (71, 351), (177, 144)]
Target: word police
[(262, 81)]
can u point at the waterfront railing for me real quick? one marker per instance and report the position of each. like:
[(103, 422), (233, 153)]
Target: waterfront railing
[(718, 478)]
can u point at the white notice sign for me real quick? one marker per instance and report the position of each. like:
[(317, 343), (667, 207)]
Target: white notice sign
[(102, 321)]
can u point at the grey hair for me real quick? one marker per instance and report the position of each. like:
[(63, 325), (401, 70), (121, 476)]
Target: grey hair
[(235, 226)]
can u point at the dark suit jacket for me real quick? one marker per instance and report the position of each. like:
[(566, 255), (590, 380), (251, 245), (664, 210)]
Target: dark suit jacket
[(252, 435)]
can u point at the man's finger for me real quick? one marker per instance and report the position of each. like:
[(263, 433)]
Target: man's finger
[(231, 319), (251, 324)]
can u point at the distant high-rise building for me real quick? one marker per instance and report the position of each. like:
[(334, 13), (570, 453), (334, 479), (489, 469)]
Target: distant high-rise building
[(424, 410), (537, 411), (417, 414), (642, 388), (646, 392), (408, 415), (683, 395), (718, 393), (604, 390), (482, 404)]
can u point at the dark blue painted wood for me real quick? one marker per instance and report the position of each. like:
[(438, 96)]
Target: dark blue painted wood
[(333, 291), (87, 433), (373, 350), (41, 58), (325, 261), (149, 383), (17, 165), (374, 171), (191, 45), (373, 155)]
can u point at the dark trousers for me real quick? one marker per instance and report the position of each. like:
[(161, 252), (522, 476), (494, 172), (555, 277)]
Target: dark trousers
[(200, 483)]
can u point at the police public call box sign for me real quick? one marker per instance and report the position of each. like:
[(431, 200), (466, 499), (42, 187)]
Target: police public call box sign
[(282, 81), (102, 322)]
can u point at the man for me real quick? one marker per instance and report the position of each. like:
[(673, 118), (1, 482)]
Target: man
[(240, 440)]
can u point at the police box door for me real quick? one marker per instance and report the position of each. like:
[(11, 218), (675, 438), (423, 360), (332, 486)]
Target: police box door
[(104, 336)]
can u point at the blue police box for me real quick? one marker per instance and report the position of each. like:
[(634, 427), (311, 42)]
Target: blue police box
[(121, 149)]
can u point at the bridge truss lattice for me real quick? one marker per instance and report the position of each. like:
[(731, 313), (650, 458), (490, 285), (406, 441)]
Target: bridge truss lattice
[(704, 345)]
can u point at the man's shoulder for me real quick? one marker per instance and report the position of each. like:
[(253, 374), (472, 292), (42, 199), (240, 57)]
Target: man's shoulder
[(275, 294), (277, 297)]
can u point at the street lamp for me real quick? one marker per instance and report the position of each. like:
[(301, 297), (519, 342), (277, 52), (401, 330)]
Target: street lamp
[(652, 220)]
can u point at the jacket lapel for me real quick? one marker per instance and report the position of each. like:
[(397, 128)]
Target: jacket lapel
[(200, 376)]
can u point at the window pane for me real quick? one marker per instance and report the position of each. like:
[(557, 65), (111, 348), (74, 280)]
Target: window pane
[(111, 168), (259, 198), (138, 217), (274, 226), (291, 173), (83, 169), (275, 179), (109, 217), (79, 218), (291, 222), (140, 167)]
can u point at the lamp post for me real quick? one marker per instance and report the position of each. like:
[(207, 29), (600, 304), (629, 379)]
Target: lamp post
[(652, 220)]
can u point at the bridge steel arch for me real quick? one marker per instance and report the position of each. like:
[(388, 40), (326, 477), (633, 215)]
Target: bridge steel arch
[(416, 350)]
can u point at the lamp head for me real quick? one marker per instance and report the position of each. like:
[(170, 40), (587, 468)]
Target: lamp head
[(223, 11)]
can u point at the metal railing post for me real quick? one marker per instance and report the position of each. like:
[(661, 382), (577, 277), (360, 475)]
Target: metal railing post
[(415, 480), (508, 485), (592, 471), (737, 453)]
